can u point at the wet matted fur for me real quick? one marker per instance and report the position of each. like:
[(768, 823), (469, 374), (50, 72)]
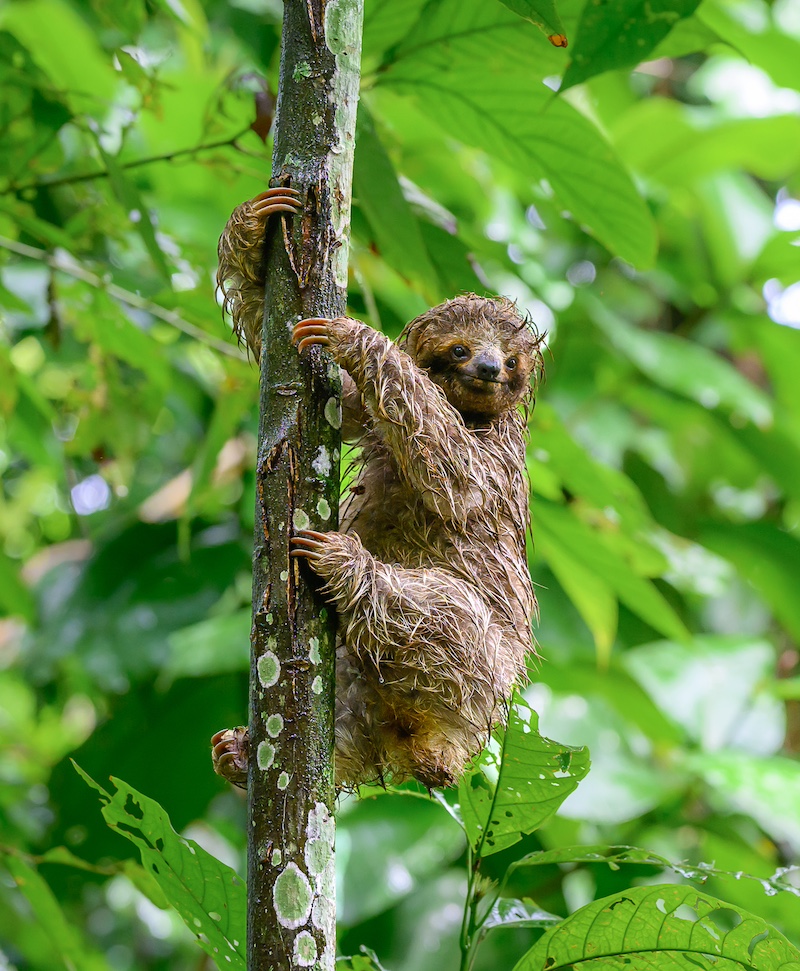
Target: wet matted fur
[(428, 571)]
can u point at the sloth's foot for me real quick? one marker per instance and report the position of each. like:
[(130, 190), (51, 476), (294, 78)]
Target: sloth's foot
[(229, 755)]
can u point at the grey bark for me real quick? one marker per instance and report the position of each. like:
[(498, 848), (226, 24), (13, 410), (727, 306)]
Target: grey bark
[(291, 876)]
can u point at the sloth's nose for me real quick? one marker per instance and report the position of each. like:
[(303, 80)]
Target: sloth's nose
[(487, 368)]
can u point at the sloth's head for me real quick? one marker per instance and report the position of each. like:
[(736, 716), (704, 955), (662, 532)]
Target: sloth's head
[(480, 351)]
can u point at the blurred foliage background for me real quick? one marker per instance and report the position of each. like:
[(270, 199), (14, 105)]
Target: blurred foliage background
[(648, 217)]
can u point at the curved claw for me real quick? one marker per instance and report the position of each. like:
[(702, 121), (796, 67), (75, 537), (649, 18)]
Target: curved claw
[(275, 191), (307, 543), (311, 332), (279, 199)]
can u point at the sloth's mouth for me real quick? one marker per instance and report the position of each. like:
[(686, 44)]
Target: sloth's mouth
[(481, 384)]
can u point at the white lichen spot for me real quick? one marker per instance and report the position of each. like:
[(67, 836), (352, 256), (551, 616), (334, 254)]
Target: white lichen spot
[(272, 643), (317, 853), (305, 950), (274, 725), (284, 575), (265, 754), (333, 412), (323, 508), (269, 669), (292, 896), (323, 913), (300, 519), (277, 857), (317, 686), (313, 650), (321, 463), (270, 619), (321, 824), (283, 780)]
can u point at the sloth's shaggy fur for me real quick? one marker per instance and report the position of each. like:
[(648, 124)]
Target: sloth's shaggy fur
[(429, 570)]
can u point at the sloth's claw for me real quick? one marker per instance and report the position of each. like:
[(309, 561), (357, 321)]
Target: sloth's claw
[(311, 332), (307, 543)]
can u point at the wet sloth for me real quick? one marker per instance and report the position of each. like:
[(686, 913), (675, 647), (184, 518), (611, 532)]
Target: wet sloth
[(428, 572)]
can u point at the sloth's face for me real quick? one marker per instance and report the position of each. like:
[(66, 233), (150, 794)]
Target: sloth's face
[(480, 352), (480, 378)]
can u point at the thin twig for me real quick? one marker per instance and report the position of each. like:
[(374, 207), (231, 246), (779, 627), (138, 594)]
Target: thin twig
[(124, 296), (136, 163)]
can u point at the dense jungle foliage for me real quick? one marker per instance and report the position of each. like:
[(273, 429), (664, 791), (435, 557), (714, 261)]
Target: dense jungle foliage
[(648, 217)]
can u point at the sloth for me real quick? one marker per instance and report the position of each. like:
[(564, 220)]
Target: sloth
[(428, 570)]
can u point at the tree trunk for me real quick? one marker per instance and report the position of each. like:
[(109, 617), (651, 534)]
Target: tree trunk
[(291, 875)]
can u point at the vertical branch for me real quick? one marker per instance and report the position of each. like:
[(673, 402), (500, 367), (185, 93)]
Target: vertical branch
[(291, 902)]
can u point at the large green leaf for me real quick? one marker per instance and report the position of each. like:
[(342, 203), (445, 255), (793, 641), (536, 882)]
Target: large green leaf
[(764, 788), (686, 368), (716, 688), (386, 849), (621, 34), (512, 115), (751, 30), (394, 225), (208, 895), (616, 856), (543, 14), (662, 927), (562, 534), (63, 938), (221, 643), (767, 557), (517, 783)]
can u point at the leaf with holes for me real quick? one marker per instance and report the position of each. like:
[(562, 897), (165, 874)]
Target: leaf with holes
[(517, 783), (208, 895), (662, 927)]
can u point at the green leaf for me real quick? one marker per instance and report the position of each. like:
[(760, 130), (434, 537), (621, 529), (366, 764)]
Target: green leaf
[(367, 960), (756, 38), (716, 688), (213, 646), (512, 115), (768, 558), (15, 597), (662, 927), (686, 368), (764, 788), (69, 947), (110, 328), (542, 14), (208, 895), (617, 35), (379, 196), (592, 596), (65, 48), (616, 856), (129, 197), (563, 534), (517, 783), (232, 402), (510, 912), (388, 848)]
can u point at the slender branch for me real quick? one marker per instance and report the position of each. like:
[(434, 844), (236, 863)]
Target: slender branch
[(119, 293), (134, 164), (291, 873)]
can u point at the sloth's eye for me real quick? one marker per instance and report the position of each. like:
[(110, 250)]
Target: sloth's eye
[(511, 363), (459, 352)]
